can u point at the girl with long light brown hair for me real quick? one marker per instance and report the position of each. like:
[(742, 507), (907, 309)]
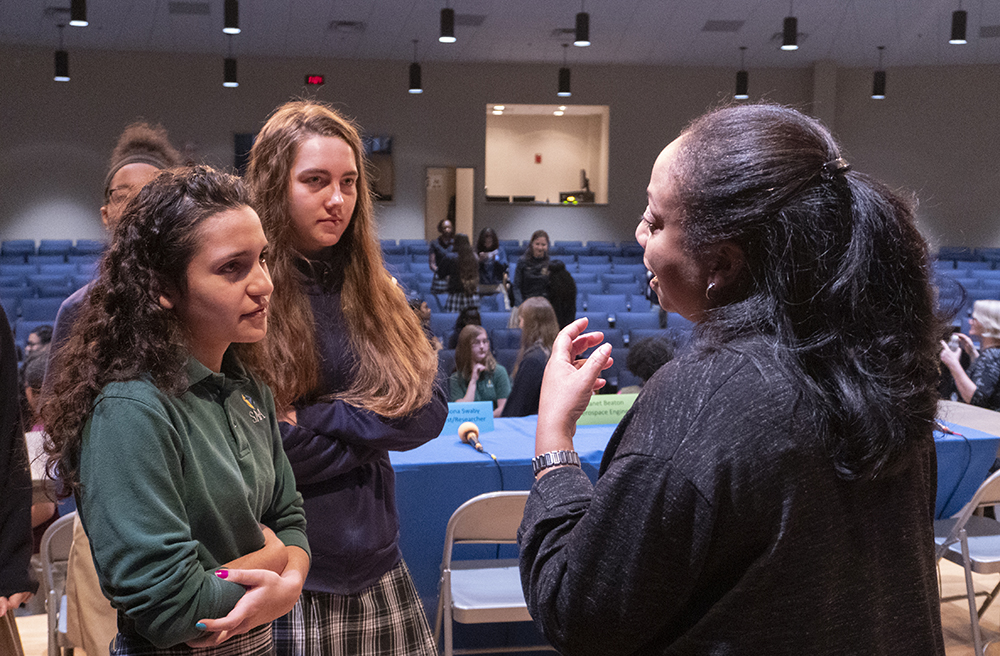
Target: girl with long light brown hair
[(353, 374)]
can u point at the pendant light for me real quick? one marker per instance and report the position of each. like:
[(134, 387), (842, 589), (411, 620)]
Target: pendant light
[(790, 30), (564, 91), (878, 80), (62, 60), (742, 79), (229, 79), (582, 37), (447, 25), (78, 13), (958, 22), (231, 12), (415, 85)]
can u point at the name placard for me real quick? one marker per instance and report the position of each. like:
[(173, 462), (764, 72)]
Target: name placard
[(606, 409), (478, 412)]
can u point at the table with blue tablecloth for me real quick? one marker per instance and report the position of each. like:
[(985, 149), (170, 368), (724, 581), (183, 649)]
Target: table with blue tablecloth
[(435, 479)]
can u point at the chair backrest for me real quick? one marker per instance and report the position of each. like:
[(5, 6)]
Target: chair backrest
[(491, 518), (988, 494)]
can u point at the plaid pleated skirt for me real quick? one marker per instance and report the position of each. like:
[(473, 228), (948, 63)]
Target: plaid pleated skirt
[(439, 285), (256, 642), (385, 619), (458, 302)]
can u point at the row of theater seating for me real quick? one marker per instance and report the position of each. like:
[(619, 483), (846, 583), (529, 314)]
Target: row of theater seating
[(25, 248), (514, 248), (958, 256)]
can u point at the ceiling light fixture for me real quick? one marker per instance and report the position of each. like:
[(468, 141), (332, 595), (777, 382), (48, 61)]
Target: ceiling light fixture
[(229, 79), (958, 21), (447, 25), (62, 60), (742, 79), (878, 80), (582, 28), (564, 91), (231, 10), (415, 85), (790, 30), (78, 13)]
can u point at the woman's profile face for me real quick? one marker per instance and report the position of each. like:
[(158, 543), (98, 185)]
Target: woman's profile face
[(228, 286), (539, 247), (679, 280), (974, 330), (322, 192)]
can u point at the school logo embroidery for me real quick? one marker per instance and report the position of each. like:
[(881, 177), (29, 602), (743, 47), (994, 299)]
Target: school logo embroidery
[(255, 414)]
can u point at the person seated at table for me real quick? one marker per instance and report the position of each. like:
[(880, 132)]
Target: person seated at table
[(468, 317), (478, 376), (980, 385), (645, 357), (462, 270), (537, 321), (771, 489), (168, 440), (531, 277), (492, 262)]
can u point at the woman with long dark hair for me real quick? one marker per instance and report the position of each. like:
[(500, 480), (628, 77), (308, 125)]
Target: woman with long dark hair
[(492, 262), (531, 277), (461, 269), (439, 250), (355, 378), (539, 327), (750, 498), (161, 428)]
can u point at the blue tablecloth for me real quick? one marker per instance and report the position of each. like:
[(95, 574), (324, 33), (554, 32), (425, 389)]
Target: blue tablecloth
[(435, 479)]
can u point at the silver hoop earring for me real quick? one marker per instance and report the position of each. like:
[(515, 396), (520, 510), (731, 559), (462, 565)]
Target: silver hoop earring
[(708, 290)]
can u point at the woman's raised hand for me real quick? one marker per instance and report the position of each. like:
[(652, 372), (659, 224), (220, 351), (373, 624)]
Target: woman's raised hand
[(568, 385)]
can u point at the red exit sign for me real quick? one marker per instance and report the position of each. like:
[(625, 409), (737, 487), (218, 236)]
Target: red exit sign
[(314, 80)]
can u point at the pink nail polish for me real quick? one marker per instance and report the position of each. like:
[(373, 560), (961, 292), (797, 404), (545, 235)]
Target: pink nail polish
[(222, 573)]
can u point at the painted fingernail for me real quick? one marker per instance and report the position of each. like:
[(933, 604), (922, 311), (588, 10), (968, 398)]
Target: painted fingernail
[(200, 626), (222, 573)]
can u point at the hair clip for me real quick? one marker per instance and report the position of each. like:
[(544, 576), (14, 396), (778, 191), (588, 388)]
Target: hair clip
[(835, 167)]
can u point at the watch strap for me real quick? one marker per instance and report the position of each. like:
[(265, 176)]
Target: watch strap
[(553, 459)]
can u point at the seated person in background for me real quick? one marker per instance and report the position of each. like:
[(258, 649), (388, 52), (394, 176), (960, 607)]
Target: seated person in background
[(467, 317), (539, 328), (562, 293), (981, 384), (440, 248), (462, 270), (531, 278), (492, 262), (423, 312), (645, 357), (477, 375), (38, 340), (42, 513)]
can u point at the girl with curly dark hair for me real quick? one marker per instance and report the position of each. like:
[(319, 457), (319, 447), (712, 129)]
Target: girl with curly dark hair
[(355, 377), (167, 439)]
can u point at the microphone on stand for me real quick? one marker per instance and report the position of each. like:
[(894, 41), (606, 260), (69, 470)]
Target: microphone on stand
[(468, 432)]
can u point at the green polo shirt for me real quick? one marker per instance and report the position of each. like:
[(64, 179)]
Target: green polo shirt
[(490, 386), (174, 487)]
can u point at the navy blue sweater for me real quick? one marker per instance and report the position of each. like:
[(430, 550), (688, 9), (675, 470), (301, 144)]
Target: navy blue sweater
[(340, 456)]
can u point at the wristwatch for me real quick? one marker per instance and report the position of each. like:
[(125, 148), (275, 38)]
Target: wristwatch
[(553, 458)]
